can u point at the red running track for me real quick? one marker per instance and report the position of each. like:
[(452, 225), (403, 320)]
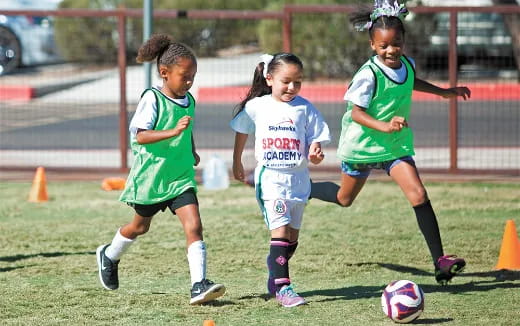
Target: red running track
[(327, 93), (333, 93)]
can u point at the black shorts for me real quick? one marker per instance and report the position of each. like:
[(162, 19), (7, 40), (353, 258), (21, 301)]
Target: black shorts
[(186, 198)]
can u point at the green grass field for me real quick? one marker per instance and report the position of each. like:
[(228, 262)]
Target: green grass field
[(48, 272)]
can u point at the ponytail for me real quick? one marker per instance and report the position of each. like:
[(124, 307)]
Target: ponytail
[(258, 88), (165, 49)]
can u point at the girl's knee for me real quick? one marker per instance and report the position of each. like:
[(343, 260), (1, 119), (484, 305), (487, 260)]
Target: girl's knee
[(193, 230), (417, 196), (345, 201), (134, 230), (141, 229), (349, 190)]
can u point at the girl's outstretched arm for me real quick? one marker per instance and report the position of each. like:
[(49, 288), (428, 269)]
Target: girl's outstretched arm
[(238, 168), (424, 86)]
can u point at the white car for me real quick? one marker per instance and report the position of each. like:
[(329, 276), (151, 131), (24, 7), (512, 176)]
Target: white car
[(26, 40)]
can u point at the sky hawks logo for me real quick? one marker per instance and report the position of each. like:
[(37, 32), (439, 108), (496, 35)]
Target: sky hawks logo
[(279, 127)]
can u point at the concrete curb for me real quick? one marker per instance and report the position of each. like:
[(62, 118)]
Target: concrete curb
[(21, 92)]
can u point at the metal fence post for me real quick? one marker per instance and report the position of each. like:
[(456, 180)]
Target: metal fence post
[(453, 111), (287, 29), (121, 60), (147, 32)]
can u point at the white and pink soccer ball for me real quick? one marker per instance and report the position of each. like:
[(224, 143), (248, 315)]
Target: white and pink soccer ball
[(402, 301)]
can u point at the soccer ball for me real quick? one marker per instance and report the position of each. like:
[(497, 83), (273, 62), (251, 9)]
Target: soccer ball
[(402, 301)]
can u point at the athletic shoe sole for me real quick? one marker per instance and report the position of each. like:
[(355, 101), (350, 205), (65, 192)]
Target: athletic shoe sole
[(454, 271), (215, 291), (445, 278), (299, 303)]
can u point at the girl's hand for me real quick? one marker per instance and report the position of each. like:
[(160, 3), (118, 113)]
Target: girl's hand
[(182, 124), (396, 124), (238, 171), (462, 91), (315, 153), (197, 158)]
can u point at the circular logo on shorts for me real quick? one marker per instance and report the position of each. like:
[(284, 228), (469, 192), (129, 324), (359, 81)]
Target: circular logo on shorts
[(279, 207)]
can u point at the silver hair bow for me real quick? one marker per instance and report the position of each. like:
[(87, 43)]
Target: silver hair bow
[(266, 59), (384, 8)]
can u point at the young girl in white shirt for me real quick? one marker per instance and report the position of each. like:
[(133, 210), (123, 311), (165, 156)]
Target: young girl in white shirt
[(289, 132)]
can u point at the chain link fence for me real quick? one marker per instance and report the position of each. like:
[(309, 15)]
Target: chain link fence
[(75, 114)]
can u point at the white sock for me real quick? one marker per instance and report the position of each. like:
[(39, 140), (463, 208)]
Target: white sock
[(197, 261), (118, 246)]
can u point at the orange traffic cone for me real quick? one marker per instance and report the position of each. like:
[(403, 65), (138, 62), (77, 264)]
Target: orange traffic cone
[(113, 184), (38, 192), (509, 257), (208, 322)]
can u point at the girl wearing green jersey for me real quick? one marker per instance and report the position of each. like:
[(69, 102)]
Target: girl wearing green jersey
[(375, 132), (162, 175)]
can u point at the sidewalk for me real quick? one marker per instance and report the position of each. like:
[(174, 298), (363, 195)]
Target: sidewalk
[(72, 83), (218, 80)]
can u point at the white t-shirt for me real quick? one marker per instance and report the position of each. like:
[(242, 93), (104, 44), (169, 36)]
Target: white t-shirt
[(283, 130), (362, 85), (146, 113)]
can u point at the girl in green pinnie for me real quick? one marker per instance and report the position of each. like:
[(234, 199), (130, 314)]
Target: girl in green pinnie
[(375, 132), (163, 175)]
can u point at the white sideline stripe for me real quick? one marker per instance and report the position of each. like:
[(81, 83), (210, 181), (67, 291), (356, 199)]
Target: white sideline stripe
[(437, 158)]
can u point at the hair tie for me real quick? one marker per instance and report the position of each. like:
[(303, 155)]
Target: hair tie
[(266, 59), (384, 8)]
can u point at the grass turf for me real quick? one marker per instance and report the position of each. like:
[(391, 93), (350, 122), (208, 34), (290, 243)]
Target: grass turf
[(48, 272)]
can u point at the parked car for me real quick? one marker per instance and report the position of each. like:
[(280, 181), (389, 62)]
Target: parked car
[(26, 40), (482, 39)]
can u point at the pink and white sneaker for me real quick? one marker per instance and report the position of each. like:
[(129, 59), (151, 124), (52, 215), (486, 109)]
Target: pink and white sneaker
[(288, 298), (448, 266)]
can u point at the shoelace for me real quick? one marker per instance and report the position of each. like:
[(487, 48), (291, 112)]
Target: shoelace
[(111, 266), (289, 292), (207, 282)]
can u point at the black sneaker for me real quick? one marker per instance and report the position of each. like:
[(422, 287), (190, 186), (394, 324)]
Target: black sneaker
[(107, 269), (205, 291)]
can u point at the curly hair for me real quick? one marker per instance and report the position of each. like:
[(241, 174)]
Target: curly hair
[(383, 22), (162, 47)]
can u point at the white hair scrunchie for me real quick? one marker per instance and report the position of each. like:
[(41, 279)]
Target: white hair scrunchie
[(266, 59), (384, 8)]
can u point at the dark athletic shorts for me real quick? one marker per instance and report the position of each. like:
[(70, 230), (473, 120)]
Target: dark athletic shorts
[(362, 170), (186, 198)]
